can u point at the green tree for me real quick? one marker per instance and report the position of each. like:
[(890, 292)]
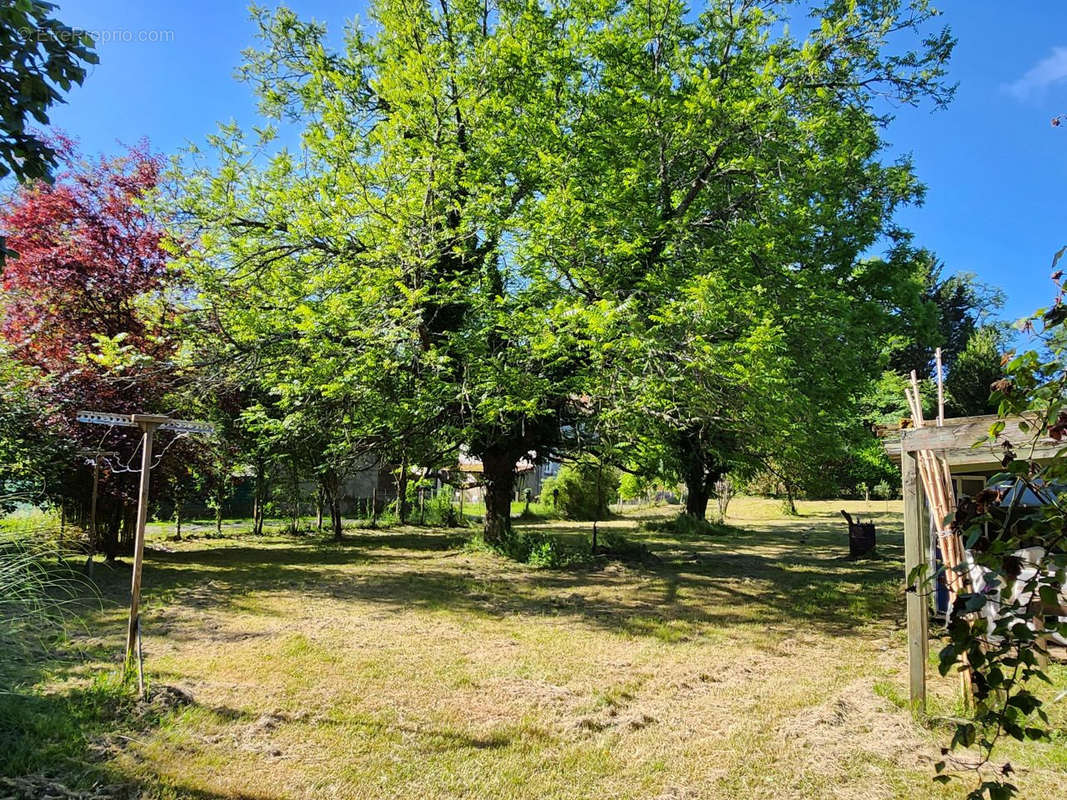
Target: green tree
[(951, 308), (366, 273), (968, 387), (40, 57), (713, 194)]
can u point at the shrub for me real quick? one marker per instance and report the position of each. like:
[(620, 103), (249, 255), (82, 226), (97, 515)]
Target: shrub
[(585, 489), (441, 510), (536, 549), (685, 525)]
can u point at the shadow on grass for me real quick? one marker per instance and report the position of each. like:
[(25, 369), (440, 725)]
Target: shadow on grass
[(64, 738), (795, 570), (794, 573)]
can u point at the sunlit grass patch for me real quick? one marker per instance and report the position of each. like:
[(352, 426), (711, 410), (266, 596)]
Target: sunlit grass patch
[(759, 662)]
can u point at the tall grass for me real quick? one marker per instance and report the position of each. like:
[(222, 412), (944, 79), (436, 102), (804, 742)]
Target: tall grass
[(37, 587)]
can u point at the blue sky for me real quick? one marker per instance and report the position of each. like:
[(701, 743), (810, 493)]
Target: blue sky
[(993, 164)]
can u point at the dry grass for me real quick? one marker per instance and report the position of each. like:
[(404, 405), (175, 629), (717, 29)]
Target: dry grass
[(755, 663)]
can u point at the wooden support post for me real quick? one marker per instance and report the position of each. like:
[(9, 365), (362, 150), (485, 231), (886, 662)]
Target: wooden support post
[(1041, 642), (148, 423), (148, 426), (914, 555), (92, 514)]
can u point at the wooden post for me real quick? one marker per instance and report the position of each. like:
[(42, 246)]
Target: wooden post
[(374, 507), (913, 557), (148, 425), (940, 389), (1041, 642), (92, 514)]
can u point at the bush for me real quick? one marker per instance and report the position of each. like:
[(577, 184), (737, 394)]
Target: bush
[(536, 549), (585, 489), (441, 510), (685, 525)]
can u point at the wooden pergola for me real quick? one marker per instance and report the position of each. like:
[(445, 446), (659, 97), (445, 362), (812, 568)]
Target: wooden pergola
[(967, 445)]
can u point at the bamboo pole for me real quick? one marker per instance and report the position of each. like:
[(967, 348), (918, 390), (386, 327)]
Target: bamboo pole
[(940, 390), (936, 477)]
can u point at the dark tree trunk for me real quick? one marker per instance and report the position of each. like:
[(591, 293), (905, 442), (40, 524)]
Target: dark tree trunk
[(294, 497), (335, 514), (701, 473), (499, 474), (791, 504), (319, 503), (696, 503), (330, 496), (129, 529), (109, 541), (178, 520)]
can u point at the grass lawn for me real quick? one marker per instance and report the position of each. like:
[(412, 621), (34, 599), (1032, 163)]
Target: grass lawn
[(756, 663)]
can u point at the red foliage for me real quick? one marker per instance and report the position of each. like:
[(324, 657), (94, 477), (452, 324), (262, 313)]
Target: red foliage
[(86, 251), (89, 261)]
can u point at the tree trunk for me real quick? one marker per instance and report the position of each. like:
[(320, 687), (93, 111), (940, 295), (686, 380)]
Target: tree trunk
[(218, 515), (178, 520), (499, 474), (700, 485), (696, 503), (294, 498), (402, 491), (259, 499), (792, 506), (319, 502), (330, 495), (335, 514), (129, 529), (109, 542)]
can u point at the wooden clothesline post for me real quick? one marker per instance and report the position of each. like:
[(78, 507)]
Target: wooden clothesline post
[(149, 424), (914, 556)]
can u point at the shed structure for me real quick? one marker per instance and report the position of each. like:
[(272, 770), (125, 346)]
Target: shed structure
[(972, 455)]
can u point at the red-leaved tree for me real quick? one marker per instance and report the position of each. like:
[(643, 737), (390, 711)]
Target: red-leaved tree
[(83, 302)]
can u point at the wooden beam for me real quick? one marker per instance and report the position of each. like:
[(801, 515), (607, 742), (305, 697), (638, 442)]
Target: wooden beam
[(965, 441), (914, 555), (966, 433)]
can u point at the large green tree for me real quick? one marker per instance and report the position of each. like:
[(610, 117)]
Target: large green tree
[(977, 367), (714, 189), (951, 308), (503, 215), (365, 273)]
